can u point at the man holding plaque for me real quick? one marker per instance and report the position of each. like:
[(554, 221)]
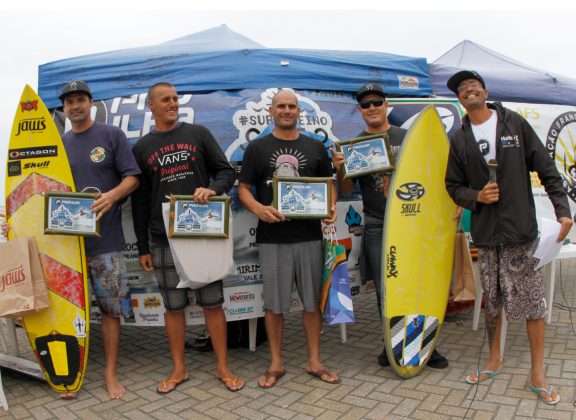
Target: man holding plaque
[(102, 162), (374, 187), (290, 250), (179, 159)]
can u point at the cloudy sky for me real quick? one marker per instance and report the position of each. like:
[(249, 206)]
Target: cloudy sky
[(34, 35)]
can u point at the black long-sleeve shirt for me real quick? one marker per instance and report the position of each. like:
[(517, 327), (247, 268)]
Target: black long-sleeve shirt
[(174, 162)]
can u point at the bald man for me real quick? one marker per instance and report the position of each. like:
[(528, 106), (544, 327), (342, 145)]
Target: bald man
[(289, 250)]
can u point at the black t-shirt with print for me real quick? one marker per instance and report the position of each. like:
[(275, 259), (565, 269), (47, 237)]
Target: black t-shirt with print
[(270, 156)]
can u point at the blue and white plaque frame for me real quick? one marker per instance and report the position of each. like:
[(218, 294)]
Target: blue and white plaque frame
[(191, 219), (303, 198), (366, 155), (70, 214)]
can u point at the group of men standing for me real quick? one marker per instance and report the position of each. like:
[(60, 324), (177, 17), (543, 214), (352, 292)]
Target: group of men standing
[(503, 219)]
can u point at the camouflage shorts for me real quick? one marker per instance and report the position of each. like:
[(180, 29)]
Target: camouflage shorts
[(110, 284)]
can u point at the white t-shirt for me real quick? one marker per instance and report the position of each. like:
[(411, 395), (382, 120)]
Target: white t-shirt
[(485, 135)]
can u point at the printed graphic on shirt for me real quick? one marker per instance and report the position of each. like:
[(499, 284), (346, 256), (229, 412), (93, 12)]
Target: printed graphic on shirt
[(255, 121), (173, 161), (98, 154), (286, 162), (484, 146), (510, 141)]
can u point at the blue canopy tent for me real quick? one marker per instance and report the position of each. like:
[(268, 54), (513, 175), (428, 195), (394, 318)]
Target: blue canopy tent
[(506, 79), (220, 59)]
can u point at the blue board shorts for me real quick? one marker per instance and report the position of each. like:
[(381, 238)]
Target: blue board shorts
[(110, 284)]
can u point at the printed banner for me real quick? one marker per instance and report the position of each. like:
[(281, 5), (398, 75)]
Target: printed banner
[(235, 119)]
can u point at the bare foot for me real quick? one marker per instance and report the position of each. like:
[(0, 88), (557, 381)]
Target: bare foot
[(114, 388)]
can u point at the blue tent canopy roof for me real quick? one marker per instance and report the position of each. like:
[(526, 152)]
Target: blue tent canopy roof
[(506, 79), (220, 59)]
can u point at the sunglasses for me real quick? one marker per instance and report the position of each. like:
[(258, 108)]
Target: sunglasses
[(376, 102)]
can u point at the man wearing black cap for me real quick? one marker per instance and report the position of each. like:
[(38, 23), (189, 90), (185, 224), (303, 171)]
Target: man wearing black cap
[(374, 110), (102, 162), (488, 172)]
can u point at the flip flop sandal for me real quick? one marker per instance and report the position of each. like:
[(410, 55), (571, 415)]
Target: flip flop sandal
[(272, 374), (538, 389), (232, 383), (489, 375), (165, 383), (324, 372)]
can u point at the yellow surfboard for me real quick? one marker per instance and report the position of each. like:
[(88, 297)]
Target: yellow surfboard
[(418, 246), (37, 163)]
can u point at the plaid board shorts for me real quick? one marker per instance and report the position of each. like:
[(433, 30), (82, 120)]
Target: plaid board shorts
[(508, 278), (110, 284), (175, 300)]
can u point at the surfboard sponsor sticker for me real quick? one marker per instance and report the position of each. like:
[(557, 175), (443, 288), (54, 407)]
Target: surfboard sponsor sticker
[(80, 326), (31, 125), (15, 168), (391, 267), (29, 105), (33, 152), (410, 191)]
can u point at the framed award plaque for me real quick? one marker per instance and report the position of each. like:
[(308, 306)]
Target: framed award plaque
[(366, 155), (303, 198), (189, 218), (67, 213)]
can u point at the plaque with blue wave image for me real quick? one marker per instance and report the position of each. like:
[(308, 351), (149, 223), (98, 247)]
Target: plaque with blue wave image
[(189, 218), (303, 198), (366, 155), (67, 213)]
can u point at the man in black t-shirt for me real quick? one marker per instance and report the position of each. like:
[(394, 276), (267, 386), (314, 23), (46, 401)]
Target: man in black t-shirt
[(290, 250), (374, 110), (178, 158)]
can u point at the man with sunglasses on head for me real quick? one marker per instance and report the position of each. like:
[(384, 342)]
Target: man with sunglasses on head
[(374, 187)]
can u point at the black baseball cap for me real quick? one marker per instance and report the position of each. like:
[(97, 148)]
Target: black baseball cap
[(75, 86), (457, 78), (368, 88)]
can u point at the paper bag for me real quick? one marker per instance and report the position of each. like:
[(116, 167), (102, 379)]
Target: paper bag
[(22, 286), (464, 285), (42, 300)]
